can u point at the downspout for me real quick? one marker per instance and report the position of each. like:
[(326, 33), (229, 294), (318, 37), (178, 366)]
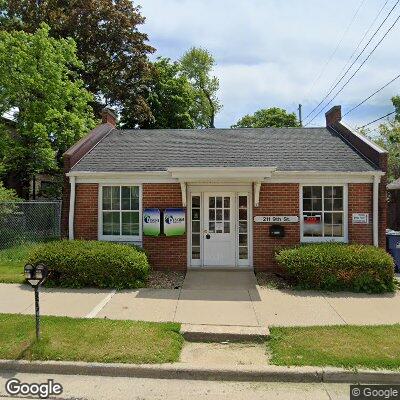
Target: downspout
[(71, 209), (375, 216)]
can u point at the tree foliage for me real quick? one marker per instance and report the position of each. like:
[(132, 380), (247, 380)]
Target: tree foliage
[(109, 43), (197, 65), (171, 99), (389, 138), (268, 117), (50, 103)]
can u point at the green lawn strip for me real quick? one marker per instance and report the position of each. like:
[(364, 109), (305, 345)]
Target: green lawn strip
[(91, 340), (346, 346), (12, 261)]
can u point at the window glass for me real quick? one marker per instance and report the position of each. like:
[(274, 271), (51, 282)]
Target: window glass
[(243, 227), (196, 201), (323, 218), (123, 220)]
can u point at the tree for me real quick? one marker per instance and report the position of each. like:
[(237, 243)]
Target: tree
[(268, 117), (109, 43), (171, 99), (50, 103), (396, 104), (197, 65), (389, 138)]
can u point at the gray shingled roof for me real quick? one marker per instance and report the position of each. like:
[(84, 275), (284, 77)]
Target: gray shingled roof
[(288, 149)]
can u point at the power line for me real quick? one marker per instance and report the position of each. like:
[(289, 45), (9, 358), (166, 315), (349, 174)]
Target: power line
[(337, 46), (358, 69), (378, 119), (373, 94), (361, 40), (356, 59)]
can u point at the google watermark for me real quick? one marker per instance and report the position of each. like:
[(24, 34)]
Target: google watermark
[(374, 392), (42, 390)]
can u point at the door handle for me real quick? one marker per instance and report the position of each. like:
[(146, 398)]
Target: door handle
[(208, 236)]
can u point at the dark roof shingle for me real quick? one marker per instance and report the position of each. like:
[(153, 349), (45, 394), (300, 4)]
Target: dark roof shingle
[(288, 149)]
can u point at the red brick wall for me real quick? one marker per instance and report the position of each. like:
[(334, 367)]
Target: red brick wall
[(86, 210), (275, 199), (360, 201), (164, 252)]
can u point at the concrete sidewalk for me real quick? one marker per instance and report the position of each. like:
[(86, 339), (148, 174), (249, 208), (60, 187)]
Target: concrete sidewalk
[(219, 298)]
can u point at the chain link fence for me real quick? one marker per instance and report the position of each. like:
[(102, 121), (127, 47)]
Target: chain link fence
[(29, 221)]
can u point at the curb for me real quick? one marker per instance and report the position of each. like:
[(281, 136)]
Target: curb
[(239, 373)]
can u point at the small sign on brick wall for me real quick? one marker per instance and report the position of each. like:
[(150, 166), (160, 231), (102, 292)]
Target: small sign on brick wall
[(360, 218), (277, 219)]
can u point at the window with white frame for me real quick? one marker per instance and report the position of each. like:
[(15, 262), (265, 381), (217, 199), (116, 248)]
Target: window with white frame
[(120, 212), (323, 213)]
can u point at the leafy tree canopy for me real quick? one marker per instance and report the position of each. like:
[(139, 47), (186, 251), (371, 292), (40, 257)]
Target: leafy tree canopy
[(171, 99), (50, 103), (109, 43), (7, 195), (268, 117), (197, 65)]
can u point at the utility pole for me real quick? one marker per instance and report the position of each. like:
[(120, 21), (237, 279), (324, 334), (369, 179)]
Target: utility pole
[(299, 109)]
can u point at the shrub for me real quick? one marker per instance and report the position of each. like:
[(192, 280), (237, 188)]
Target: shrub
[(79, 263), (334, 266)]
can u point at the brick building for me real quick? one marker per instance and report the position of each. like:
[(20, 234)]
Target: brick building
[(239, 194)]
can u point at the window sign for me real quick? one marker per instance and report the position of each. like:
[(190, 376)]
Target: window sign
[(151, 221), (174, 221), (312, 224)]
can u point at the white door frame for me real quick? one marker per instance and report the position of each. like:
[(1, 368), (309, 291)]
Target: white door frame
[(199, 190)]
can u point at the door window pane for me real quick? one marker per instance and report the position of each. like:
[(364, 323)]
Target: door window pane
[(218, 215), (227, 215), (196, 253), (227, 227), (227, 202), (196, 239), (243, 253), (195, 226), (242, 226), (211, 202), (211, 215), (196, 202)]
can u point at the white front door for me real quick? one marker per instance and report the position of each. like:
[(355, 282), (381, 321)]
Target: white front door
[(219, 229)]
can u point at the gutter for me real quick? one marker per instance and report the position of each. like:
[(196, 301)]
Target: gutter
[(71, 215), (375, 210)]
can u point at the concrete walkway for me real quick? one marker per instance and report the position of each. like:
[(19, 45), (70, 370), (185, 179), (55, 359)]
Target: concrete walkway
[(210, 298)]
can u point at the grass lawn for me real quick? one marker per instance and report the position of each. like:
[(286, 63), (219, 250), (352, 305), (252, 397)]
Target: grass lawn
[(339, 346), (92, 340), (12, 262)]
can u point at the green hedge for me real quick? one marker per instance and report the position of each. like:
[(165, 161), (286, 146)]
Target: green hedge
[(334, 266), (79, 263)]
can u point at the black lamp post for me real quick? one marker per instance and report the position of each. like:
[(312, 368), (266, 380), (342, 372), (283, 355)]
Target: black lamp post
[(36, 276)]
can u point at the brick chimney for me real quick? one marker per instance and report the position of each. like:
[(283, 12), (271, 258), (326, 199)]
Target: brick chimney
[(333, 116), (108, 116)]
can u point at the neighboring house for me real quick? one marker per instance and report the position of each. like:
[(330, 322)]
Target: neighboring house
[(394, 205), (244, 192)]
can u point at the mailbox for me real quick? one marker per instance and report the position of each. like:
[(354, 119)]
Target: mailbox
[(277, 231)]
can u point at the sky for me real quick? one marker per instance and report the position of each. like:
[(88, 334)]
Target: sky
[(272, 53)]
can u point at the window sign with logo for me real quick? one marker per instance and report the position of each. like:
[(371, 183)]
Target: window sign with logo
[(312, 224), (174, 221), (151, 222)]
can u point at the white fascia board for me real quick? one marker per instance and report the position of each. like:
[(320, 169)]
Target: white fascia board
[(192, 174), (122, 177), (369, 142), (322, 177)]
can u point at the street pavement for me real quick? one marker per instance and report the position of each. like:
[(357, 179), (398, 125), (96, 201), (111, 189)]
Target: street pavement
[(210, 298), (114, 388)]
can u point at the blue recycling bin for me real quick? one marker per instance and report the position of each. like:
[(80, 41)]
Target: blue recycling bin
[(393, 245)]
